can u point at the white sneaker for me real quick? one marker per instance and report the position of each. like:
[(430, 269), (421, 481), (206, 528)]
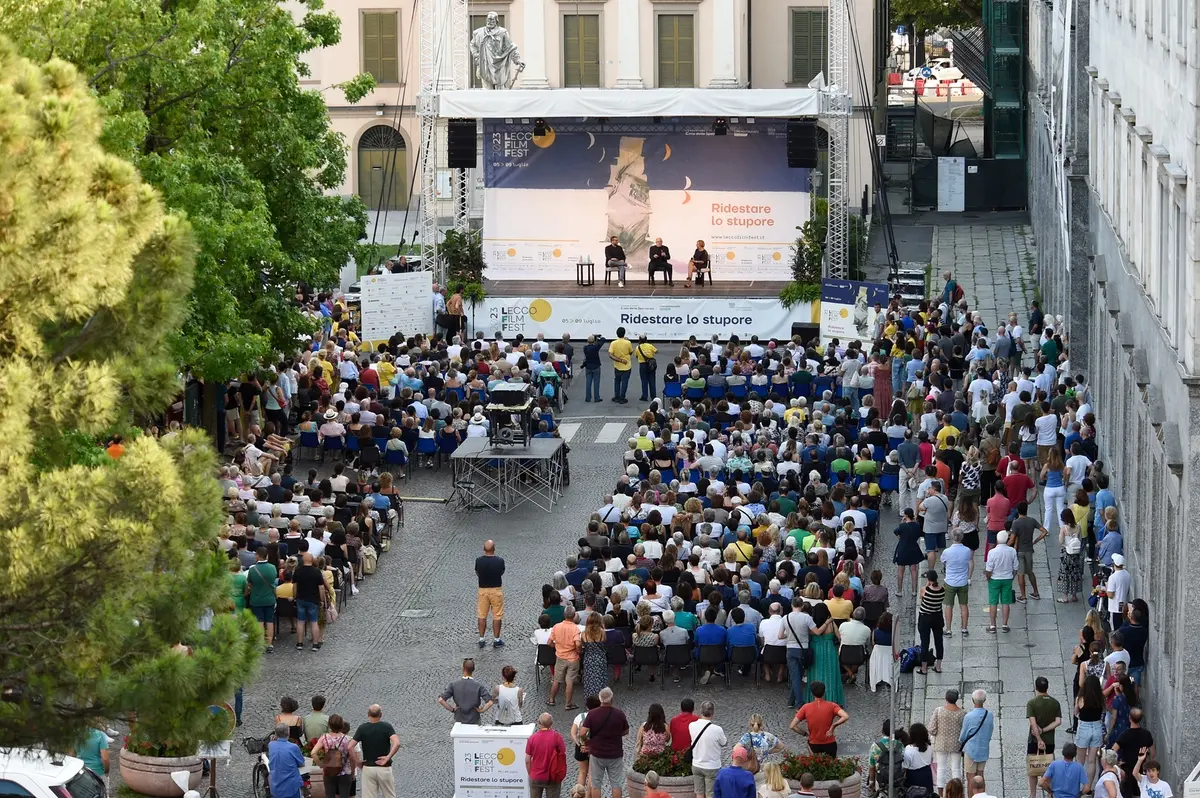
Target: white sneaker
[(354, 590), (620, 283)]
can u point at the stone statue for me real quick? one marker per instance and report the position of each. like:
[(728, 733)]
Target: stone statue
[(495, 56)]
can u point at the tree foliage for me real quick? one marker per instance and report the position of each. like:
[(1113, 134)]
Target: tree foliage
[(104, 564), (204, 96), (924, 15)]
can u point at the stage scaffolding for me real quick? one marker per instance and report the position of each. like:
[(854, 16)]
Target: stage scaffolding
[(502, 478)]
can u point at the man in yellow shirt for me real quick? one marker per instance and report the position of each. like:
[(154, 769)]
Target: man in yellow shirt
[(620, 352), (387, 371), (647, 367), (947, 433)]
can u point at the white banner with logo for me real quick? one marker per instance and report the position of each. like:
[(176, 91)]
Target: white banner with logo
[(489, 761), (660, 318), (392, 302)]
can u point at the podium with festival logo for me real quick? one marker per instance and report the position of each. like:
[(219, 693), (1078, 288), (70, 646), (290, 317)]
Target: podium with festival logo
[(489, 761)]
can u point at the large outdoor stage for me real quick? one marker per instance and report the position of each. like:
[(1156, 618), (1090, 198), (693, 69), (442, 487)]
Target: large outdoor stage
[(504, 477)]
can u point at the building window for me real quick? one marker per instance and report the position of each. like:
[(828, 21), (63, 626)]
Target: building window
[(381, 45), (810, 43), (581, 50), (676, 51), (382, 169), (1163, 256), (1182, 267), (479, 21)]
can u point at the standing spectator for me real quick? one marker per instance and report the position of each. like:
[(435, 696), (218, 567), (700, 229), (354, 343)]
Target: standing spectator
[(1109, 783), (707, 741), (976, 736), (566, 641), (918, 759), (545, 752), (681, 739), (1145, 773), (759, 741), (653, 736), (823, 717), (316, 722), (509, 698), (957, 560), (1000, 567), (310, 597), (604, 728), (1135, 636), (734, 781), (341, 783), (93, 750), (1133, 740), (1065, 778), (945, 724), (1023, 528), (379, 743), (260, 582), (908, 550), (1117, 590), (1089, 706), (1045, 715), (285, 760), (469, 696), (1070, 563), (489, 569), (930, 621), (936, 509), (647, 367), (591, 369), (620, 352)]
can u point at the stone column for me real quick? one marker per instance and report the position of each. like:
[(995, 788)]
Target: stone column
[(629, 45), (724, 52), (533, 48)]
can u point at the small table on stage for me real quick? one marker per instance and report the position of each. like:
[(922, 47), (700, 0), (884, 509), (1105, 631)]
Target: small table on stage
[(585, 272)]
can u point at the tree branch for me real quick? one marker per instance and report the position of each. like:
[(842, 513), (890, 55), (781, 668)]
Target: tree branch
[(113, 63)]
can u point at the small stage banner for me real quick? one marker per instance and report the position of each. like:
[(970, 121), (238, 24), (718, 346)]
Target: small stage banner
[(848, 309), (660, 318), (394, 303), (552, 200)]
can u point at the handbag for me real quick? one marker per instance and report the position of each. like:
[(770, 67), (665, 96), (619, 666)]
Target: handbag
[(807, 657), (1036, 764), (752, 763), (558, 768), (651, 362), (331, 612)]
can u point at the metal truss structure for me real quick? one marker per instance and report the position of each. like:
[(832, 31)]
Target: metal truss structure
[(445, 62), (837, 106), (503, 478)]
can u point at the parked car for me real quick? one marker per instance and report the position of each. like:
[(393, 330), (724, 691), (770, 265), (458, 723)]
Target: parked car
[(934, 69), (36, 773)]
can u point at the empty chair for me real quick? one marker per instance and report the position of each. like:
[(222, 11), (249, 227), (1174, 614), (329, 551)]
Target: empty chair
[(332, 444), (695, 394), (546, 659), (672, 389)]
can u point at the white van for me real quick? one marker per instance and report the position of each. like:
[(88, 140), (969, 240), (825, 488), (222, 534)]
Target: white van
[(32, 773)]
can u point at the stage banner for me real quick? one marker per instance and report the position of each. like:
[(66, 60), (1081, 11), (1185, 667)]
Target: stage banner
[(552, 200), (396, 303), (848, 309), (660, 318)]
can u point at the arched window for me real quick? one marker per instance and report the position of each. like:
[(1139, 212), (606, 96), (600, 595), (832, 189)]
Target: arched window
[(382, 169)]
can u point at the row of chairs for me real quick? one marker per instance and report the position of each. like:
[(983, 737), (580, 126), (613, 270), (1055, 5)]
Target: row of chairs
[(795, 389)]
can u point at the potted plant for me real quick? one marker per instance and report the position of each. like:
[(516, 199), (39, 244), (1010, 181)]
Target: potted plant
[(826, 770), (674, 769)]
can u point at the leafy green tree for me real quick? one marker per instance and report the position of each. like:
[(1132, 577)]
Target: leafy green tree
[(920, 16), (204, 97), (105, 563)]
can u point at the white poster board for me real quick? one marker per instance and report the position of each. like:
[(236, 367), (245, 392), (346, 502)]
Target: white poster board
[(489, 761), (660, 318), (952, 185), (394, 303)]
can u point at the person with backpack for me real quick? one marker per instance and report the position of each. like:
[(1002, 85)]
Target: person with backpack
[(340, 760), (885, 763), (546, 759), (952, 292), (647, 367)]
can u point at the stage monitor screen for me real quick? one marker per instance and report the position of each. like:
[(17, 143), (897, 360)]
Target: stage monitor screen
[(552, 200)]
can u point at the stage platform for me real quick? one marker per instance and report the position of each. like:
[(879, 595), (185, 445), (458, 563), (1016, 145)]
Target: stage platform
[(740, 289), (506, 477)]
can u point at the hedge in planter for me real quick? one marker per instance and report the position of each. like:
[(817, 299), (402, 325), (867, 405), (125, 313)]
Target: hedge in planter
[(674, 769), (826, 771)]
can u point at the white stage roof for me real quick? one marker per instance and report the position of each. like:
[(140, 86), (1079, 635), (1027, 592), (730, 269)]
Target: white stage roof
[(626, 103)]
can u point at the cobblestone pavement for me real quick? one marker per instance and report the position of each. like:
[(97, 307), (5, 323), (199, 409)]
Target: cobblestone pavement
[(993, 264)]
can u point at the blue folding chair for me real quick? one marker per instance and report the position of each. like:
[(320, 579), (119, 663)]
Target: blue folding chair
[(889, 483), (446, 445), (352, 444), (822, 384), (716, 392), (381, 444), (549, 419), (332, 444), (395, 457), (739, 391), (695, 394), (672, 390), (309, 440), (457, 393), (426, 446), (879, 454), (893, 443)]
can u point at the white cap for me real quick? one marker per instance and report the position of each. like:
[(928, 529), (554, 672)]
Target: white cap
[(1118, 560)]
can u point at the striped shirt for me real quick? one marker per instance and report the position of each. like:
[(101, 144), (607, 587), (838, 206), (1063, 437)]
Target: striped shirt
[(931, 600)]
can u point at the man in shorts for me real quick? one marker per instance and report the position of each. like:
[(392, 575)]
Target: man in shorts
[(1000, 567), (936, 508), (564, 636), (957, 560), (260, 586), (489, 569), (1024, 528)]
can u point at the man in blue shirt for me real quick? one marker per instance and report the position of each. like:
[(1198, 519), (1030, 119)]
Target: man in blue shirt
[(1112, 543), (285, 760), (740, 634), (379, 501), (1104, 500), (1065, 777), (734, 781), (976, 736), (709, 634)]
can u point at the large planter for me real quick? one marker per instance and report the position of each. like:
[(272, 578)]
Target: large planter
[(851, 787), (682, 786), (151, 775), (316, 780)]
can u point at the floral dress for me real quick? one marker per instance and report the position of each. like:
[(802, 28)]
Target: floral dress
[(653, 742), (595, 668), (762, 742)]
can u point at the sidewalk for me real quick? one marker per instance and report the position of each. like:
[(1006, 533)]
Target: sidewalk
[(995, 268)]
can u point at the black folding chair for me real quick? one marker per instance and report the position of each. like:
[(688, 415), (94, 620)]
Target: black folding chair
[(615, 655), (852, 657), (741, 656), (678, 656), (874, 610), (642, 655), (546, 659), (773, 656), (712, 657)]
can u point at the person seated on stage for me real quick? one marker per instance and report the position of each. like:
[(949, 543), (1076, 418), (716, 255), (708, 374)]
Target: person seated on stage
[(660, 260), (614, 255), (699, 262)]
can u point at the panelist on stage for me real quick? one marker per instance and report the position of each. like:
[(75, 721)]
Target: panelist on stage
[(698, 263), (660, 260), (614, 255)]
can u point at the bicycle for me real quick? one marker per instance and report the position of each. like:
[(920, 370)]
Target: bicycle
[(261, 773)]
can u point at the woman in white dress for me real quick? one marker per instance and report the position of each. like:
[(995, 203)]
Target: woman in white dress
[(509, 698)]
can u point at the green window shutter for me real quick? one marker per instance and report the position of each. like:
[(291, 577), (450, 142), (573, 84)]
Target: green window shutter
[(676, 51), (810, 43), (389, 47), (581, 50), (371, 45)]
